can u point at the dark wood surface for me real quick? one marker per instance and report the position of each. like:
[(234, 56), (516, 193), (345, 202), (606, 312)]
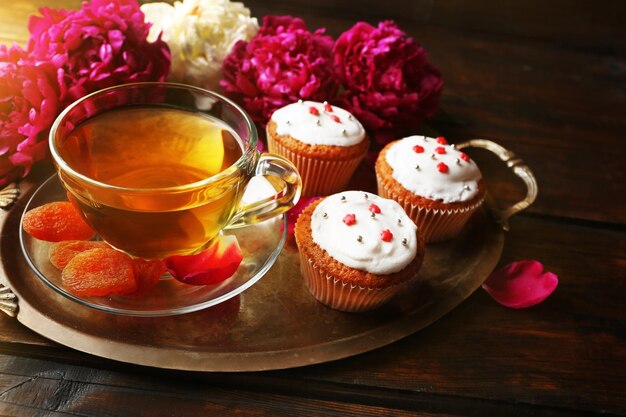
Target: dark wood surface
[(547, 81)]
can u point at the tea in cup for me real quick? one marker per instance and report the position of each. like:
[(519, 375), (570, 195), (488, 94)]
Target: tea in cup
[(159, 169)]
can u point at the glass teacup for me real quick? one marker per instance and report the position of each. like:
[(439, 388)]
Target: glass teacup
[(159, 169)]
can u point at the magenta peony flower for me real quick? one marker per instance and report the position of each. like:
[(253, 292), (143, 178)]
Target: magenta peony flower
[(30, 99), (101, 45), (388, 82), (284, 62)]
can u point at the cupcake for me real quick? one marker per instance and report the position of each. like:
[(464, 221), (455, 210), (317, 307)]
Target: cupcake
[(438, 186), (325, 143), (357, 250)]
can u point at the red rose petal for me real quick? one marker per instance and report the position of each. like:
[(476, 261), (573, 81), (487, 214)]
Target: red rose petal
[(294, 212), (521, 284), (212, 266)]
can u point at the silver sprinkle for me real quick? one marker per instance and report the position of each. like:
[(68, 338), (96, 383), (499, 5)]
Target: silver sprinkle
[(452, 145), (458, 161), (288, 122), (399, 222), (343, 131), (467, 188), (373, 215), (433, 156), (317, 122), (325, 103), (366, 196), (325, 215), (343, 198), (405, 241), (349, 117), (359, 238), (417, 167), (300, 101)]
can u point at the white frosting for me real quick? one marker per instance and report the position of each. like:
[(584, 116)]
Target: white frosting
[(297, 121), (460, 183), (371, 253)]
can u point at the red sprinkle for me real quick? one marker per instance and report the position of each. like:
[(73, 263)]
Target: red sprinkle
[(465, 156), (335, 118), (374, 209), (328, 108), (386, 235), (440, 150), (349, 219), (314, 111), (442, 140), (443, 168), (418, 149)]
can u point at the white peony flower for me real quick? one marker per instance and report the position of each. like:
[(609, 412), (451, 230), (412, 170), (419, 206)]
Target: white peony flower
[(200, 34)]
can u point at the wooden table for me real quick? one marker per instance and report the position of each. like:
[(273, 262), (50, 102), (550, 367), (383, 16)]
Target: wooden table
[(547, 81)]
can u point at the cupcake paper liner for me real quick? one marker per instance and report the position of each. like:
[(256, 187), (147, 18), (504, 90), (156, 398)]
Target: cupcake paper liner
[(435, 225), (319, 177), (340, 295)]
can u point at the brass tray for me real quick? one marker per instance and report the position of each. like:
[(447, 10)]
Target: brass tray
[(273, 325)]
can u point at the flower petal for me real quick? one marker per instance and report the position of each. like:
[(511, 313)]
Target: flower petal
[(212, 266), (521, 284)]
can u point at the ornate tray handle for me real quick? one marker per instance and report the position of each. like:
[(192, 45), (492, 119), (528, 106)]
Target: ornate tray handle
[(8, 195), (519, 168), (8, 300)]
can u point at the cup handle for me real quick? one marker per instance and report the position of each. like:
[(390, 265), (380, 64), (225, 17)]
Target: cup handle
[(270, 164), (519, 168)]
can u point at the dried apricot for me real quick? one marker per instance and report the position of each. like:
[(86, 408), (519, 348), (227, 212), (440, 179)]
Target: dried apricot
[(56, 221), (147, 275), (62, 252), (99, 272)]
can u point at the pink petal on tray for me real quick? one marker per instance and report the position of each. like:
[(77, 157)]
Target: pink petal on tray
[(212, 266), (521, 284), (294, 212)]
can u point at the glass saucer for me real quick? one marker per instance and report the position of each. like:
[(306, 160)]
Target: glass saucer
[(261, 244)]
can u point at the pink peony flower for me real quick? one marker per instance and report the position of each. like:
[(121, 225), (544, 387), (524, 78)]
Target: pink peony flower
[(284, 62), (101, 45), (30, 99), (521, 284), (389, 85)]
